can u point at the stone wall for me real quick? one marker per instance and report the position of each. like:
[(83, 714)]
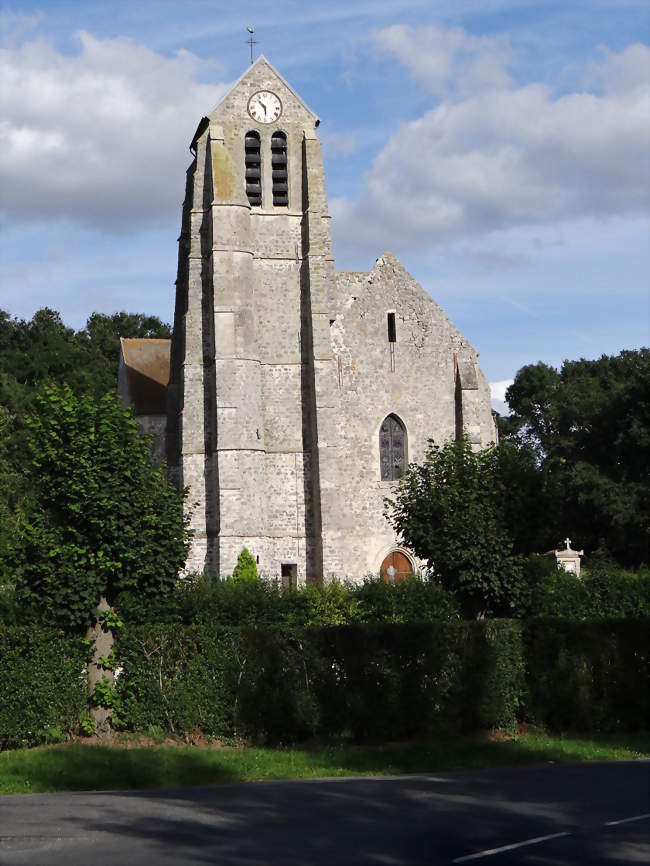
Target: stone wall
[(418, 385)]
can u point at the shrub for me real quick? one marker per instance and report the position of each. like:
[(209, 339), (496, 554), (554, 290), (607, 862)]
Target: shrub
[(604, 591), (410, 600), (246, 568), (198, 599), (615, 592), (42, 685)]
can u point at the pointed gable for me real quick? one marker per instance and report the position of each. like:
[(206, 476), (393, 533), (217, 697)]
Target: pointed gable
[(262, 75)]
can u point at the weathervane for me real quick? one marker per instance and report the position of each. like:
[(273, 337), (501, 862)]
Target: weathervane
[(251, 41)]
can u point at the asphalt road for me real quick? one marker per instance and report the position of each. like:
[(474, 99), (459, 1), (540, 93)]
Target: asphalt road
[(434, 819)]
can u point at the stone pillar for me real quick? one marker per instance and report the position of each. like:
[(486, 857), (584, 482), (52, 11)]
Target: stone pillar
[(238, 469), (193, 361), (317, 289)]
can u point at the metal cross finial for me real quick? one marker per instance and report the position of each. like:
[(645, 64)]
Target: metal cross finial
[(251, 41), (567, 541)]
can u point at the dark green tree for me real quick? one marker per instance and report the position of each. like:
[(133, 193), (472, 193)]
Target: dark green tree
[(44, 350), (450, 511), (588, 425), (103, 333), (99, 517), (11, 486)]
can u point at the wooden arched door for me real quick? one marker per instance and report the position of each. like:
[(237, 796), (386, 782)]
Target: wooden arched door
[(400, 563)]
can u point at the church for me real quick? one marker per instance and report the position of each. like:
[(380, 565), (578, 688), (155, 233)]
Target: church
[(292, 396)]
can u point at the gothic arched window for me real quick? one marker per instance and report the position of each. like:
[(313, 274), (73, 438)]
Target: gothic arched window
[(253, 168), (392, 448), (279, 169)]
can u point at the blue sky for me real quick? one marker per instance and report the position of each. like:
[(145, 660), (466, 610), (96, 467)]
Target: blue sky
[(521, 129)]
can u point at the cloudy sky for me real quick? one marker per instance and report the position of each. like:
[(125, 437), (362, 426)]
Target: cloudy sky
[(500, 148)]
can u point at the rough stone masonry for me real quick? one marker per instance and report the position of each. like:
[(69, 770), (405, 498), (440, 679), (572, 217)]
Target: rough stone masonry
[(297, 395)]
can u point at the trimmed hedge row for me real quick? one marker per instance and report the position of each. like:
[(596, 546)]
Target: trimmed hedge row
[(373, 681), (588, 676), (43, 687)]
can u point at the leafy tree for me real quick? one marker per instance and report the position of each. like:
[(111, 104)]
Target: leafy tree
[(99, 517), (103, 334), (588, 426), (532, 505), (450, 511), (246, 568), (44, 350)]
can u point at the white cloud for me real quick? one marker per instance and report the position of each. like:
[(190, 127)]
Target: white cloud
[(499, 155), (339, 143), (498, 394), (441, 58), (100, 137)]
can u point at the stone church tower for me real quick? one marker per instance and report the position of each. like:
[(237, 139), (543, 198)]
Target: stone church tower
[(297, 395)]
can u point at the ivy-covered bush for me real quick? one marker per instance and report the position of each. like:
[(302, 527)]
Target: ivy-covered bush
[(588, 676), (42, 685), (175, 679)]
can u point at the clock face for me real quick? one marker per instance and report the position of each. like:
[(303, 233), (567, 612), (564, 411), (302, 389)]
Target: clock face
[(264, 106)]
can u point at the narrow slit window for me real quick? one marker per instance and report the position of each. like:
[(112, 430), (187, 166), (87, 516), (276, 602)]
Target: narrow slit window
[(392, 331), (253, 168), (279, 170)]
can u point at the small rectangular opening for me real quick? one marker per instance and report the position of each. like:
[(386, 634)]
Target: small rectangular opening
[(392, 332), (289, 575)]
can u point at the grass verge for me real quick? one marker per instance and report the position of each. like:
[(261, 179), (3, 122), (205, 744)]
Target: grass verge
[(79, 767)]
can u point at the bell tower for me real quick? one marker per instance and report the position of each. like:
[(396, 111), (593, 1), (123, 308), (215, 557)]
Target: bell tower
[(251, 407)]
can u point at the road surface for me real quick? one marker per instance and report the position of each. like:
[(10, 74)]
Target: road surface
[(554, 814)]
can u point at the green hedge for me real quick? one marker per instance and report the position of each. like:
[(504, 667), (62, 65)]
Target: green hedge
[(604, 591), (42, 686), (372, 681), (368, 680), (588, 676), (264, 604)]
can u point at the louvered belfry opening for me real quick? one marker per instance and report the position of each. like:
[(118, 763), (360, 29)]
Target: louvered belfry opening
[(253, 168), (279, 169)]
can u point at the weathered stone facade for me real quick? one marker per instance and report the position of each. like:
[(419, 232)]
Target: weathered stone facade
[(282, 371)]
